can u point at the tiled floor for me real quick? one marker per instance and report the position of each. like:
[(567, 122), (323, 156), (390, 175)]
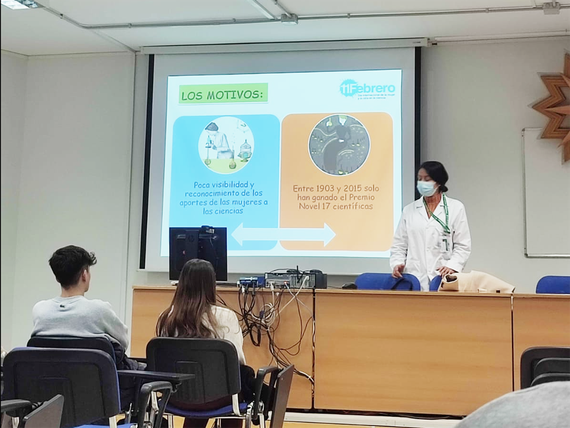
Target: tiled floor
[(397, 422), (179, 421)]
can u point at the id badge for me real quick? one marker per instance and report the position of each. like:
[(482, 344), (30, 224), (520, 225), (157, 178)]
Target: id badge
[(445, 244)]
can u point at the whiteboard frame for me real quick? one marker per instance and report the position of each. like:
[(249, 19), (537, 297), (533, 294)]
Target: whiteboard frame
[(527, 255)]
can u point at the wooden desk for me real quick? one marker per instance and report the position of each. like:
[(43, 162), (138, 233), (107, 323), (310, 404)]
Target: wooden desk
[(413, 352), (400, 352), (149, 302), (539, 320)]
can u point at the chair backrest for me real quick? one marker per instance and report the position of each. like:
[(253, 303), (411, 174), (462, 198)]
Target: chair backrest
[(531, 358), (385, 281), (100, 343), (435, 283), (550, 377), (551, 370), (213, 362), (281, 397), (553, 285), (48, 415), (86, 378), (552, 365)]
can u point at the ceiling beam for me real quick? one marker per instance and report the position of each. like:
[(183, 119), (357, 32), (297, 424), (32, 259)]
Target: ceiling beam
[(261, 9), (164, 24)]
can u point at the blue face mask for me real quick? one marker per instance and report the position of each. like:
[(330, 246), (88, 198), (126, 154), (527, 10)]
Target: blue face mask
[(426, 188)]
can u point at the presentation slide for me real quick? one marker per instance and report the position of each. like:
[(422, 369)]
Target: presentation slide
[(294, 164)]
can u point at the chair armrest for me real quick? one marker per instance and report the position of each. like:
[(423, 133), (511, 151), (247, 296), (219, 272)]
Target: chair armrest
[(17, 408), (144, 398), (175, 379), (259, 381), (11, 405)]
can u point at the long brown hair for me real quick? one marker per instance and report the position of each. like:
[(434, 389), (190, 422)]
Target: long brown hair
[(190, 312)]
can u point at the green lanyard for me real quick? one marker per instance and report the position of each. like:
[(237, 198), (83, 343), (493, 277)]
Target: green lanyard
[(445, 226)]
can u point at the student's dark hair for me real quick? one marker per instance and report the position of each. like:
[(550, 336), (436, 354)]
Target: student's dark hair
[(437, 172), (68, 263), (190, 312)]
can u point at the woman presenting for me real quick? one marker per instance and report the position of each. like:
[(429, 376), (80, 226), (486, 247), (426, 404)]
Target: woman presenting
[(433, 236)]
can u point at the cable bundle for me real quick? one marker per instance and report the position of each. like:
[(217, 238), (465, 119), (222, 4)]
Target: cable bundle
[(260, 317)]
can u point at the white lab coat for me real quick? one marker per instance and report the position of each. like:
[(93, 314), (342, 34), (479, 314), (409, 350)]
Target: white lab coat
[(421, 244)]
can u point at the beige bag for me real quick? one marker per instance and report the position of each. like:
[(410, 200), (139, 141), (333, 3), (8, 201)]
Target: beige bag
[(474, 282)]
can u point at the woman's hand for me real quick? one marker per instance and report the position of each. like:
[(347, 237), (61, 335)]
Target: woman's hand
[(397, 272), (444, 270)]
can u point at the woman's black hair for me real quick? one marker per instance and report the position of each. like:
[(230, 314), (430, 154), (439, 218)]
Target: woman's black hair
[(437, 172)]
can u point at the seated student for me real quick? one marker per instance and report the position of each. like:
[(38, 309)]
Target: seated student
[(71, 314), (542, 406), (193, 313)]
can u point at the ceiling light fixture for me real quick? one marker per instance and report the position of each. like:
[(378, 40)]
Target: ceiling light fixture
[(20, 4), (552, 8)]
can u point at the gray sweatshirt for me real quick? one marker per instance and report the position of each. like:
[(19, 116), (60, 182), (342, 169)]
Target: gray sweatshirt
[(542, 406), (78, 316)]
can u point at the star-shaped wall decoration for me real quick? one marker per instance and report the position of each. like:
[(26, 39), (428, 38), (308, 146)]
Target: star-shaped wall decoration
[(557, 107)]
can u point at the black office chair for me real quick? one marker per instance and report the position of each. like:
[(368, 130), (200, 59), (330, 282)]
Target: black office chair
[(544, 364), (215, 364), (87, 379), (128, 386), (46, 415)]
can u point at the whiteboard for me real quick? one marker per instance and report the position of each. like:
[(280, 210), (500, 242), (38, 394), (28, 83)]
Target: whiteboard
[(547, 197)]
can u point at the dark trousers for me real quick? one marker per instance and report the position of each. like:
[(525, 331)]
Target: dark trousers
[(128, 386), (247, 387)]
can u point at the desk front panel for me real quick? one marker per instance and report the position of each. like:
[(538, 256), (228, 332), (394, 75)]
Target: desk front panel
[(539, 320), (149, 302), (411, 352)]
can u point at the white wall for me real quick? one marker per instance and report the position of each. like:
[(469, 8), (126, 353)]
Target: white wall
[(475, 102), (75, 176), (14, 69)]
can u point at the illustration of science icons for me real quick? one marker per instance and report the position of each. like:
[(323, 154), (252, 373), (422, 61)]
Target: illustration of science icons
[(226, 145)]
